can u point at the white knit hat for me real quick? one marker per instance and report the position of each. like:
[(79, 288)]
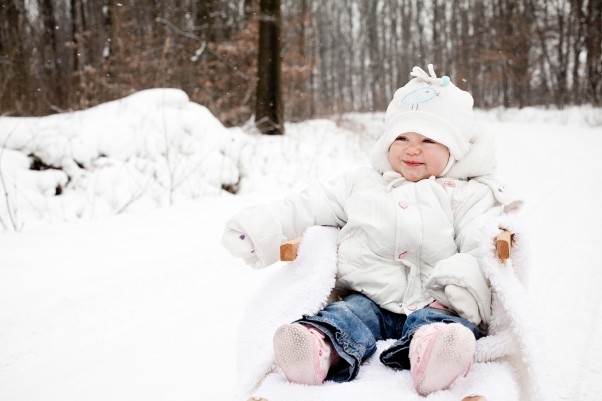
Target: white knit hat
[(430, 106)]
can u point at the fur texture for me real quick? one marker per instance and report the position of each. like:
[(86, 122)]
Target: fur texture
[(301, 287)]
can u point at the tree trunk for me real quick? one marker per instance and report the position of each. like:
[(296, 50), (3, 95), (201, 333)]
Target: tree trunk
[(55, 92), (594, 56), (15, 90), (268, 108)]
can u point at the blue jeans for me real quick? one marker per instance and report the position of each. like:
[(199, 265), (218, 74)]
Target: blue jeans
[(356, 323)]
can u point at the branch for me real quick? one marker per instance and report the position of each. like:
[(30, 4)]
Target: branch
[(268, 121), (192, 36), (199, 52), (6, 197), (178, 30)]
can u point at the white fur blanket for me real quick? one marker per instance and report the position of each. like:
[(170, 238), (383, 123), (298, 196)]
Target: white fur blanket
[(506, 368)]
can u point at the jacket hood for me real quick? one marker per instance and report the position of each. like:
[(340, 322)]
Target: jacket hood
[(479, 160)]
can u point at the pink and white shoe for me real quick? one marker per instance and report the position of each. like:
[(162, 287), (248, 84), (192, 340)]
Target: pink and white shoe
[(302, 353), (439, 354)]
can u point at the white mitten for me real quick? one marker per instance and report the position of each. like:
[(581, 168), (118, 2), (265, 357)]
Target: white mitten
[(240, 245), (463, 303)]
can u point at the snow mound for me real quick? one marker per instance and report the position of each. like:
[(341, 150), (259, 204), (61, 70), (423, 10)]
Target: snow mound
[(143, 151)]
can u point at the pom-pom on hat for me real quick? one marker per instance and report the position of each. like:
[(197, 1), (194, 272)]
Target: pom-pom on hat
[(429, 106)]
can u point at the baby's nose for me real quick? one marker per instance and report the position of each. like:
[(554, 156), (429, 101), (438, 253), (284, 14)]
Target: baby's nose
[(413, 149)]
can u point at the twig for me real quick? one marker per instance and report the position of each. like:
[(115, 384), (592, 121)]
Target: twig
[(130, 201), (192, 36), (6, 196), (58, 109), (269, 122), (178, 30), (199, 52)]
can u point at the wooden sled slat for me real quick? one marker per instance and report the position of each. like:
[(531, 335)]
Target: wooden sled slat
[(471, 398), (503, 244), (288, 250)]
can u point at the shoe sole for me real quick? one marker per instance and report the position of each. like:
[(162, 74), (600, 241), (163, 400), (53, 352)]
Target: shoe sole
[(293, 349), (448, 360)]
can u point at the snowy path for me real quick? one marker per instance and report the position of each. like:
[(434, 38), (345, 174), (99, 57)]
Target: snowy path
[(145, 307)]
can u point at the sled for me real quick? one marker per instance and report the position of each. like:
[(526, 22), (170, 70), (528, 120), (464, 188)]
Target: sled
[(506, 365)]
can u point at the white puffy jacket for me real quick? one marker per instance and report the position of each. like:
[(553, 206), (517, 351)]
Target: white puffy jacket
[(403, 244)]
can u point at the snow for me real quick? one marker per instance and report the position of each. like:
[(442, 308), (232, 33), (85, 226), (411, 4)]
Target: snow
[(141, 152), (118, 288)]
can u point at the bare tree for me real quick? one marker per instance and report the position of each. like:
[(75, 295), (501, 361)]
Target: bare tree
[(268, 105), (330, 56), (594, 55), (14, 62)]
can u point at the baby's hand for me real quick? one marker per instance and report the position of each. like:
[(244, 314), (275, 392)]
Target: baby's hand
[(240, 245)]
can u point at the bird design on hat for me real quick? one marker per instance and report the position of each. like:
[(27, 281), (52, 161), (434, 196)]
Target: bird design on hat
[(420, 95)]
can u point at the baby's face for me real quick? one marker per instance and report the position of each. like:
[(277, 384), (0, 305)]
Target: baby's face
[(417, 157)]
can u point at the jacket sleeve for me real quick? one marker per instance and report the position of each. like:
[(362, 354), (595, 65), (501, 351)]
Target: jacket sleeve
[(268, 226), (458, 281)]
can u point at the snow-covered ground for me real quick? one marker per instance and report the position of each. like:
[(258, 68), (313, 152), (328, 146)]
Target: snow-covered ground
[(145, 304)]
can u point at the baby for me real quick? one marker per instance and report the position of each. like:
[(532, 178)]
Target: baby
[(407, 247)]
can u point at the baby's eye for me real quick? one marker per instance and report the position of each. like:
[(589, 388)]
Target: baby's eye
[(401, 138), (428, 140)]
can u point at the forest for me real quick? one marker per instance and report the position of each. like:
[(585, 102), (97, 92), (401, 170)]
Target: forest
[(333, 56)]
